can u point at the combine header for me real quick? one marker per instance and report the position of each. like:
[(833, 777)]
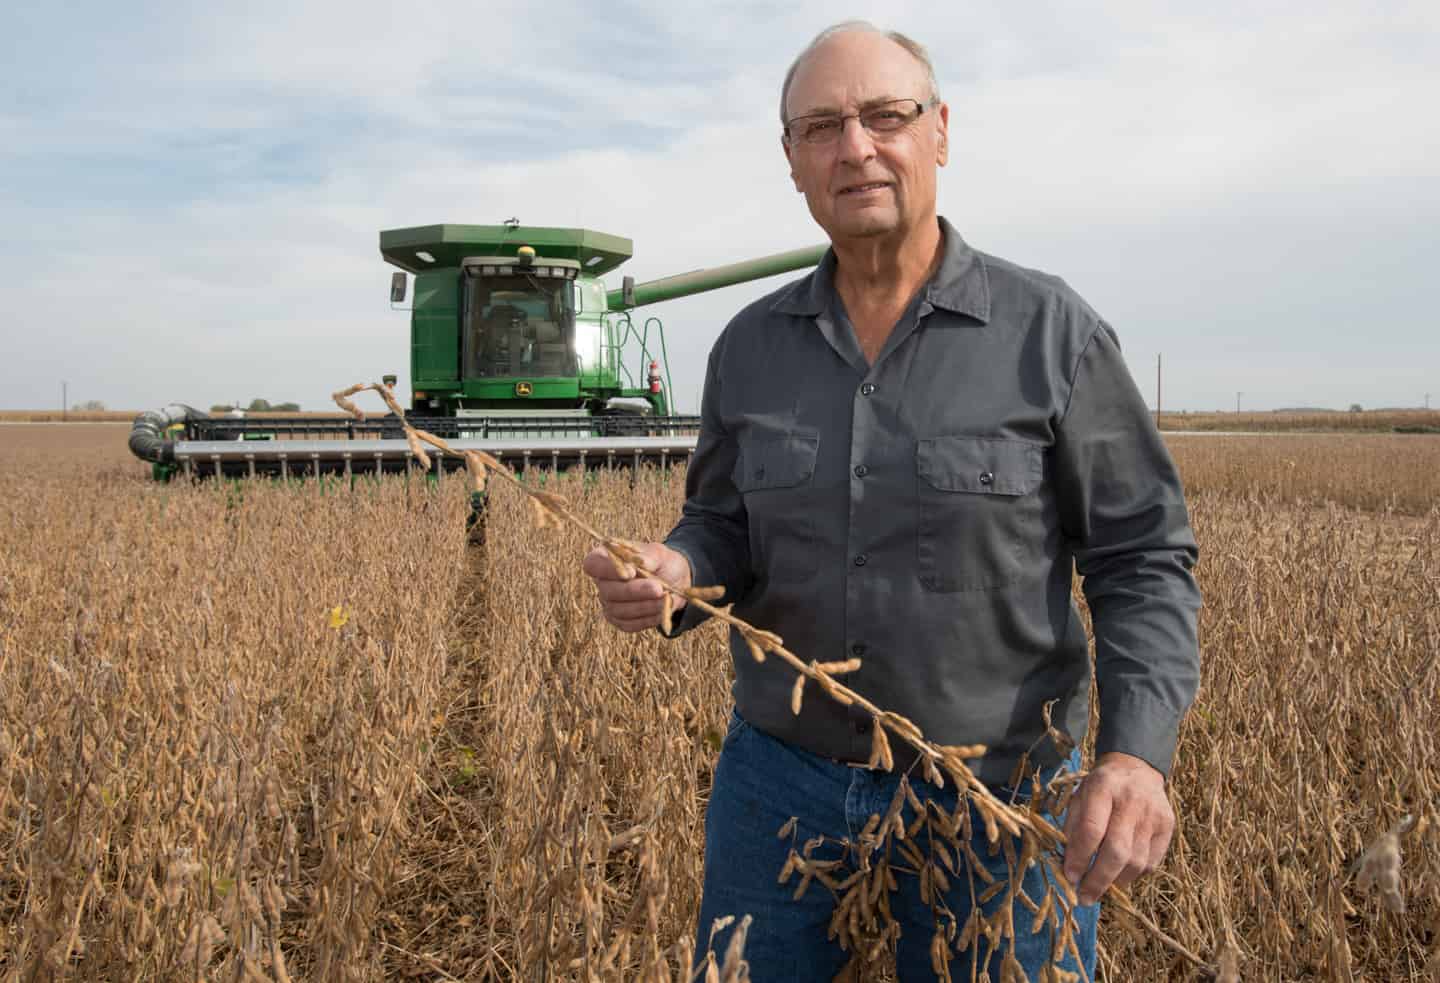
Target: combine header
[(517, 348)]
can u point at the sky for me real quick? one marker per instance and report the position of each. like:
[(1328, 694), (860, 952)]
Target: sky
[(191, 194)]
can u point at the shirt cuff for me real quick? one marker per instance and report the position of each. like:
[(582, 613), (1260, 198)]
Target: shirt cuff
[(690, 615), (1139, 725)]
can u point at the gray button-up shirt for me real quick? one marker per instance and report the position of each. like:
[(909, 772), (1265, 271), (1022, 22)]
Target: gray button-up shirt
[(923, 514)]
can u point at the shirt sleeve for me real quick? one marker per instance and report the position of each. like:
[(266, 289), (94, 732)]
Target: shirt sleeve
[(713, 532), (1123, 511)]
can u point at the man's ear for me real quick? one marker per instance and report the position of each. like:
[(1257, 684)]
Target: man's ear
[(942, 125), (785, 146)]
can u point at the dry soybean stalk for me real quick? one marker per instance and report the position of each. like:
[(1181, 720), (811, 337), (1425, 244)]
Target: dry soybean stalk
[(1038, 835)]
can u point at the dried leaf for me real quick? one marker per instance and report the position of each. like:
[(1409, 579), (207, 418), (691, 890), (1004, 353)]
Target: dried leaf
[(200, 944), (1228, 970), (1380, 870)]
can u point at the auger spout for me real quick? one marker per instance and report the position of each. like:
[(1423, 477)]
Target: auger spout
[(715, 277)]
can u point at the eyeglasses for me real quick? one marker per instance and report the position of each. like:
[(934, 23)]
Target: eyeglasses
[(880, 121)]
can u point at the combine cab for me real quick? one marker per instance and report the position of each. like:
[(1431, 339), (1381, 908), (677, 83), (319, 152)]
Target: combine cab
[(517, 348)]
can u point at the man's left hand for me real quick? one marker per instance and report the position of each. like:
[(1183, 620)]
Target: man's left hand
[(1121, 816)]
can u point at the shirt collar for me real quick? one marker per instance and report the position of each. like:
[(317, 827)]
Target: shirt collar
[(960, 283)]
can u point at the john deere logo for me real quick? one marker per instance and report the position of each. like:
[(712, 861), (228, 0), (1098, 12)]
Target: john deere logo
[(523, 389)]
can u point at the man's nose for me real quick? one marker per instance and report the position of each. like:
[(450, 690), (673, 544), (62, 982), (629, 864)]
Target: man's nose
[(855, 145)]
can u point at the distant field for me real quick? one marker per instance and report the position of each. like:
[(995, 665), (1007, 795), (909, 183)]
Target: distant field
[(91, 442), (1374, 421), (119, 416), (1373, 472), (55, 416)]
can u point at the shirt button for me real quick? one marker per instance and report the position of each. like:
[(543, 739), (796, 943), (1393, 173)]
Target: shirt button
[(863, 726), (861, 560), (987, 478), (867, 389), (861, 470), (858, 649)]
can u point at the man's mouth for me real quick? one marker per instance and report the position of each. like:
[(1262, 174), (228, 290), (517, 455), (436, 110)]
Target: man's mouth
[(862, 188)]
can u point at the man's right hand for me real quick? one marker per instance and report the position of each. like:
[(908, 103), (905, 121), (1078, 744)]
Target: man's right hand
[(634, 605)]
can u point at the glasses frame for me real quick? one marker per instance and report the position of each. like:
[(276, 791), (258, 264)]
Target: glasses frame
[(792, 139)]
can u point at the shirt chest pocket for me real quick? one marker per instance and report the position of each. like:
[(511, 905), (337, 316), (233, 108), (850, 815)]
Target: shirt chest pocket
[(775, 474), (979, 511)]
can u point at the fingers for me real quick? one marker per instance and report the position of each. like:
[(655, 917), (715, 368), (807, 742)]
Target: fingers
[(1160, 844), (1121, 858), (633, 615), (633, 610), (1126, 830), (598, 565), (1085, 826), (625, 591), (630, 605)]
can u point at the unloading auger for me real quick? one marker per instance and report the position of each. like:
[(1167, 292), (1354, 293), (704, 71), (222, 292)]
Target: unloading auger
[(517, 349)]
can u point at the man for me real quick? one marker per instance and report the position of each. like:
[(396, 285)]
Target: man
[(900, 458)]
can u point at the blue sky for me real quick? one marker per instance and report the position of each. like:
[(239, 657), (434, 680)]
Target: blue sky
[(191, 194)]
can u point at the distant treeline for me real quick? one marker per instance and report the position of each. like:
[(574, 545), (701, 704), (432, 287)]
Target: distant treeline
[(257, 406)]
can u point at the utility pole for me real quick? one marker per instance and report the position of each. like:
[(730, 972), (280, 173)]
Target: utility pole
[(1427, 402), (1157, 390), (1237, 403), (64, 399)]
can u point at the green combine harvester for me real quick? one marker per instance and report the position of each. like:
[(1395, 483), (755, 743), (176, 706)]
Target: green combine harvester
[(517, 348)]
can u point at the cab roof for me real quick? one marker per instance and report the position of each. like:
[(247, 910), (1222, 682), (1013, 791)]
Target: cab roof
[(431, 247)]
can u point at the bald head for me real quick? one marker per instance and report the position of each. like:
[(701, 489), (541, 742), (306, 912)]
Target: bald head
[(909, 46)]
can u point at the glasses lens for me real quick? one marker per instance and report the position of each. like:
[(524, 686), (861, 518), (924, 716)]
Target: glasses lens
[(821, 129), (890, 117)]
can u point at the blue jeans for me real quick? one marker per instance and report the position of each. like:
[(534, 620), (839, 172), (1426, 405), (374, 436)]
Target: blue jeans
[(760, 782)]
